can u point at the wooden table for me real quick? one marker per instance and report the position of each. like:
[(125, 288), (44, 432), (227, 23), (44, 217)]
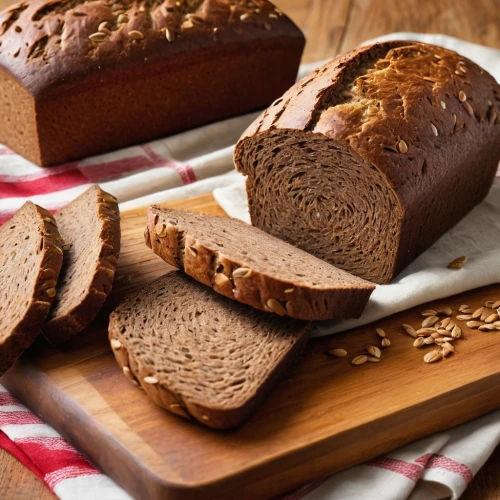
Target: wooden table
[(331, 27)]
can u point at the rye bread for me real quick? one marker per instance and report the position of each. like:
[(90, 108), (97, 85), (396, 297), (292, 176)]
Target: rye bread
[(90, 229), (200, 355), (368, 160), (30, 260), (246, 264)]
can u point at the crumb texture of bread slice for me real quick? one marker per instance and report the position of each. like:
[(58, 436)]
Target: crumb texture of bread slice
[(251, 266), (30, 262), (90, 229), (200, 355)]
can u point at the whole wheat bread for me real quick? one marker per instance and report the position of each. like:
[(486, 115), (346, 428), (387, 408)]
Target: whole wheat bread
[(369, 159), (90, 229), (199, 354), (30, 261), (246, 264)]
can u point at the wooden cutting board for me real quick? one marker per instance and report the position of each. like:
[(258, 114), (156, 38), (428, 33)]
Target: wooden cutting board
[(325, 416)]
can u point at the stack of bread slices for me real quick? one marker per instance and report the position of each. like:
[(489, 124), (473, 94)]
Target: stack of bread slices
[(210, 342), (55, 270)]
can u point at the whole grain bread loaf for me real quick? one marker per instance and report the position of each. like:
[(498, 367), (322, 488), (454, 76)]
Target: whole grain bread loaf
[(199, 354), (248, 265), (30, 260), (90, 77), (90, 229), (371, 158)]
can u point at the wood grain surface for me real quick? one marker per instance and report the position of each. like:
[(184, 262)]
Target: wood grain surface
[(333, 26), (325, 416)]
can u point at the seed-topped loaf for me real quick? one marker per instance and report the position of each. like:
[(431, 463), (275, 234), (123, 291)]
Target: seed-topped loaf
[(92, 76), (30, 260), (246, 264), (199, 354), (371, 158), (90, 229)]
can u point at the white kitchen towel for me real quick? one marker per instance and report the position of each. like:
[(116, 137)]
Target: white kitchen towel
[(193, 163)]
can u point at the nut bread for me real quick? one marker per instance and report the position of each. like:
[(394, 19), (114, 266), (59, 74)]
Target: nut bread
[(30, 260), (368, 160), (248, 265), (90, 229), (200, 355), (91, 77)]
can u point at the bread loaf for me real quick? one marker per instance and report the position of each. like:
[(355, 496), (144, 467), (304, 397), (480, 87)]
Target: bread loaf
[(30, 261), (201, 355), (90, 229), (371, 158), (253, 267), (80, 78)]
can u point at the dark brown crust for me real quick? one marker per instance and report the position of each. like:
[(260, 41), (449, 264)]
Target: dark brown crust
[(124, 91), (462, 150), (305, 302), (25, 332), (175, 403), (61, 328)]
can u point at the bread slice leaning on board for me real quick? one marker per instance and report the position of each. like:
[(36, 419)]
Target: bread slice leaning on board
[(248, 265), (200, 355), (31, 257), (368, 160), (90, 229)]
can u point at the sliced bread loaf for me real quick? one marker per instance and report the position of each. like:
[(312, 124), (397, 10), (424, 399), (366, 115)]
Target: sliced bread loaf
[(30, 261), (199, 354), (90, 229), (246, 264)]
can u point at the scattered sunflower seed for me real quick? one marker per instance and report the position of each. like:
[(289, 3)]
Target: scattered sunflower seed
[(429, 340), (496, 305), (385, 342), (474, 324), (457, 263), (429, 321), (445, 352), (429, 312), (445, 322), (477, 313), (456, 333), (359, 360), (464, 308), (450, 326), (373, 351), (432, 357), (487, 328), (418, 342), (410, 330), (380, 332), (491, 318), (446, 310), (338, 353), (464, 317), (372, 359), (448, 346), (424, 332)]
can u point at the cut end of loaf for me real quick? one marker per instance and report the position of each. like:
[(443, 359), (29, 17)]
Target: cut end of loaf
[(319, 195), (251, 266), (200, 355), (30, 262)]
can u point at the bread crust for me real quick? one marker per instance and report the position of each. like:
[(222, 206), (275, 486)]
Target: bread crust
[(179, 245), (64, 324), (428, 121), (25, 331), (86, 97)]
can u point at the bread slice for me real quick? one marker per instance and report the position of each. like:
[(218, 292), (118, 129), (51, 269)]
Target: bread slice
[(244, 263), (30, 260), (90, 229), (199, 354)]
